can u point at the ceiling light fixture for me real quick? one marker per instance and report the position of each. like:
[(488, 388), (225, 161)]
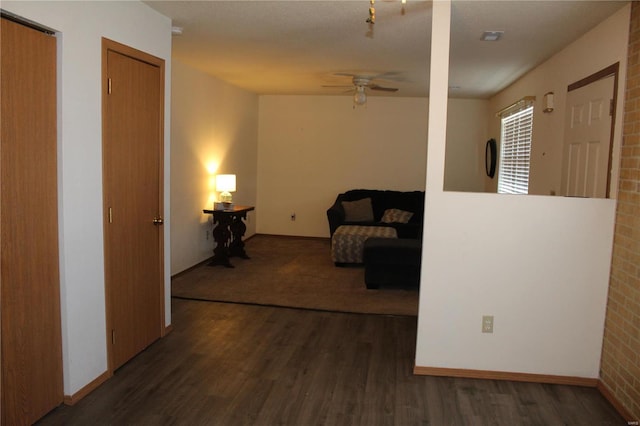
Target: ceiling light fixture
[(492, 35), (176, 31), (359, 97), (372, 13)]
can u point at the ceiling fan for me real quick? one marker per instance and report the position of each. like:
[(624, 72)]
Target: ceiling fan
[(360, 83)]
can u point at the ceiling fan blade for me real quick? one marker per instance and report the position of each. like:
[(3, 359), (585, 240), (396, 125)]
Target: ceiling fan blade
[(369, 75), (372, 75), (391, 76), (384, 89), (342, 86)]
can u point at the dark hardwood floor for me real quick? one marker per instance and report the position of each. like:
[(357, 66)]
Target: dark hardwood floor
[(231, 364)]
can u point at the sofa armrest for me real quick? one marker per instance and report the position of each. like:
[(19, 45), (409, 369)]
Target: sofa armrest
[(335, 215)]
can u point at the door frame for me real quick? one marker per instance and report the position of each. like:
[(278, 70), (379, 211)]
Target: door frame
[(110, 45), (611, 70)]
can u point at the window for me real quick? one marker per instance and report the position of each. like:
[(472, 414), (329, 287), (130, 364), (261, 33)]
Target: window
[(515, 148)]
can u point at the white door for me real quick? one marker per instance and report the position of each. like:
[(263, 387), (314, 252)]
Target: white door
[(587, 140)]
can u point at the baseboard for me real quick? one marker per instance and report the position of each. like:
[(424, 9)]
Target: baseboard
[(609, 396), (191, 268), (168, 329), (504, 375), (298, 237), (73, 399)]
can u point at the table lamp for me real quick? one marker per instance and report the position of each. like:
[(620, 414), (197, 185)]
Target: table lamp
[(226, 184)]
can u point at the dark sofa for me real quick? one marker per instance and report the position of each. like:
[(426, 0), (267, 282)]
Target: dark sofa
[(411, 201)]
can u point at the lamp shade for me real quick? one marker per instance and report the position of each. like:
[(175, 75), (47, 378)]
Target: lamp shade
[(226, 183)]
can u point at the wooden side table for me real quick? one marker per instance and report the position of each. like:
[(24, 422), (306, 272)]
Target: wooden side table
[(228, 229)]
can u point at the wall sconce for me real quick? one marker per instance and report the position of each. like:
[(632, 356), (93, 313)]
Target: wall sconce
[(226, 184), (548, 102)]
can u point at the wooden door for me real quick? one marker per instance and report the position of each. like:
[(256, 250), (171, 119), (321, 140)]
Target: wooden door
[(132, 180), (30, 289), (587, 140)]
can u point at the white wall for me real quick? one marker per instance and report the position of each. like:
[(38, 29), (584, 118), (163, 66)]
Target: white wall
[(80, 26), (214, 130), (313, 147), (538, 264), (467, 134), (604, 45)]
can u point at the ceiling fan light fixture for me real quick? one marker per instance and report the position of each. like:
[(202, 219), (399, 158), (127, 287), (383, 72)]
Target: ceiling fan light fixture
[(359, 97)]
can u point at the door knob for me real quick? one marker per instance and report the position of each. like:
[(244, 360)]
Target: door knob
[(158, 221)]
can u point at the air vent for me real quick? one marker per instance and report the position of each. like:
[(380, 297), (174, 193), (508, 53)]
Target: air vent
[(492, 35)]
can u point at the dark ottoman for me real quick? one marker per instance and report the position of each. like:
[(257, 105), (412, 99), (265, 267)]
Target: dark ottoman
[(392, 262)]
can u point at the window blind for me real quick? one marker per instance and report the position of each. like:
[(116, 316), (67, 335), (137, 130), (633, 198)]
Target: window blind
[(515, 150)]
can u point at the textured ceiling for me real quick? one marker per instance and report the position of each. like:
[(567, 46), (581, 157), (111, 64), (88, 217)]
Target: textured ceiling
[(296, 47)]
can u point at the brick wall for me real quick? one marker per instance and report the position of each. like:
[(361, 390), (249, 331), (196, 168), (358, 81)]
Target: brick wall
[(620, 367)]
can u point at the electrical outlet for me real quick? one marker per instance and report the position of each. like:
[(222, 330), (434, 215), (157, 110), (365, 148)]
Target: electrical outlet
[(207, 234), (487, 323), (293, 217)]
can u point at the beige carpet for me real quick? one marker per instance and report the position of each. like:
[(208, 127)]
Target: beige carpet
[(292, 272)]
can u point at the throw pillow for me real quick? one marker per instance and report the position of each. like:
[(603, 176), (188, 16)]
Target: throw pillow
[(396, 216), (358, 211)]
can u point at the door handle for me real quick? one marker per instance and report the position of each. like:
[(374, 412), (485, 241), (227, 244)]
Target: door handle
[(158, 221)]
